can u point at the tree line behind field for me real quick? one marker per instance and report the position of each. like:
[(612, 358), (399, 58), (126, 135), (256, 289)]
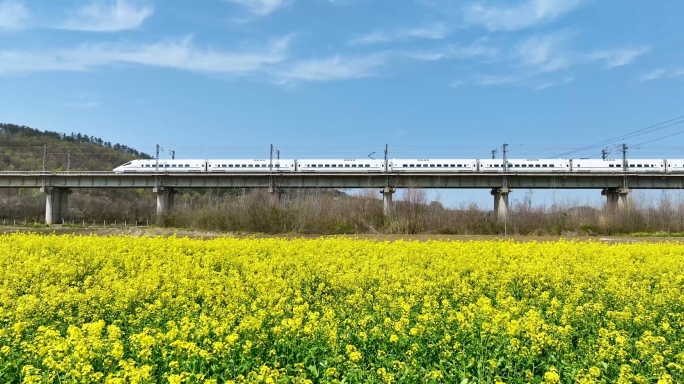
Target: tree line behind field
[(22, 149)]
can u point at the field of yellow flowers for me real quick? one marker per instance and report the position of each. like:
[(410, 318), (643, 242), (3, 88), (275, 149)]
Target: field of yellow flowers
[(176, 310)]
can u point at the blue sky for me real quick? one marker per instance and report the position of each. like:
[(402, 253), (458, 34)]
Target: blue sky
[(341, 78)]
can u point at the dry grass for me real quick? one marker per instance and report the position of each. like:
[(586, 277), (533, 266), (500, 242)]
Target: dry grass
[(330, 212)]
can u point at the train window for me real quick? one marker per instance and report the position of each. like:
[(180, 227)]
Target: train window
[(334, 165), (244, 165), (537, 165), (638, 165), (404, 165), (551, 165), (459, 165), (454, 165), (166, 166), (346, 165), (611, 165), (432, 165), (411, 165), (367, 165), (277, 165), (524, 165), (353, 165)]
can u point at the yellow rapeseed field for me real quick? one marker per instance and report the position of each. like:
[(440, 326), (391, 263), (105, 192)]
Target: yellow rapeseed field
[(156, 310)]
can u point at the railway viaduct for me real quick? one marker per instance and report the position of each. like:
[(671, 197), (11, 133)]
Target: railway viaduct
[(58, 185)]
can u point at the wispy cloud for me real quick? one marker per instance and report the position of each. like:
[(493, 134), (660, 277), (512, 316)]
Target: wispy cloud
[(653, 75), (260, 7), (679, 73), (478, 48), (182, 55), (107, 17), (522, 15), (617, 57), (435, 31), (13, 15), (554, 83), (333, 68), (488, 80), (552, 52), (546, 52)]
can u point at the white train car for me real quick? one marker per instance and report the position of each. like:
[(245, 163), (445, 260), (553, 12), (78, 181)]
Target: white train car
[(340, 165), (250, 165), (615, 165), (646, 165), (596, 165), (433, 165), (185, 165), (525, 165), (674, 165)]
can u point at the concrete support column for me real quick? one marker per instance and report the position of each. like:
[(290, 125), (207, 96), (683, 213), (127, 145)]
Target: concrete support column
[(616, 198), (387, 204), (275, 194), (500, 202), (165, 199), (56, 204)]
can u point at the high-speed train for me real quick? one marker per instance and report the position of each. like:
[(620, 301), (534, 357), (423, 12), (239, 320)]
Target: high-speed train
[(400, 165)]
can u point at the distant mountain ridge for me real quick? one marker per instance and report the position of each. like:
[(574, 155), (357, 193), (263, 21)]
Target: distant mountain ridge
[(22, 149)]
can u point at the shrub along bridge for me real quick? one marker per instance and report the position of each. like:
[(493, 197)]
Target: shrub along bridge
[(58, 185)]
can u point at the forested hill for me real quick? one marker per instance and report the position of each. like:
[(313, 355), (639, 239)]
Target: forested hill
[(22, 149)]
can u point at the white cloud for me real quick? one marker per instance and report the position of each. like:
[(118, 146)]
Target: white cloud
[(13, 15), (519, 16), (546, 52), (679, 73), (617, 57), (182, 55), (489, 80), (107, 17), (436, 31), (550, 53), (555, 83), (478, 48), (333, 68), (260, 7), (653, 75)]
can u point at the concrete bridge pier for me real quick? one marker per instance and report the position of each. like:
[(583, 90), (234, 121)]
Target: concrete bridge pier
[(165, 199), (56, 204), (387, 204), (616, 198), (274, 193), (500, 202)]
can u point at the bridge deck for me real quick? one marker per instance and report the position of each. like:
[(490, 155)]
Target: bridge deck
[(520, 180)]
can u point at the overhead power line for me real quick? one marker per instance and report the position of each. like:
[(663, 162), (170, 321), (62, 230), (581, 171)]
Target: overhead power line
[(638, 132), (661, 138)]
